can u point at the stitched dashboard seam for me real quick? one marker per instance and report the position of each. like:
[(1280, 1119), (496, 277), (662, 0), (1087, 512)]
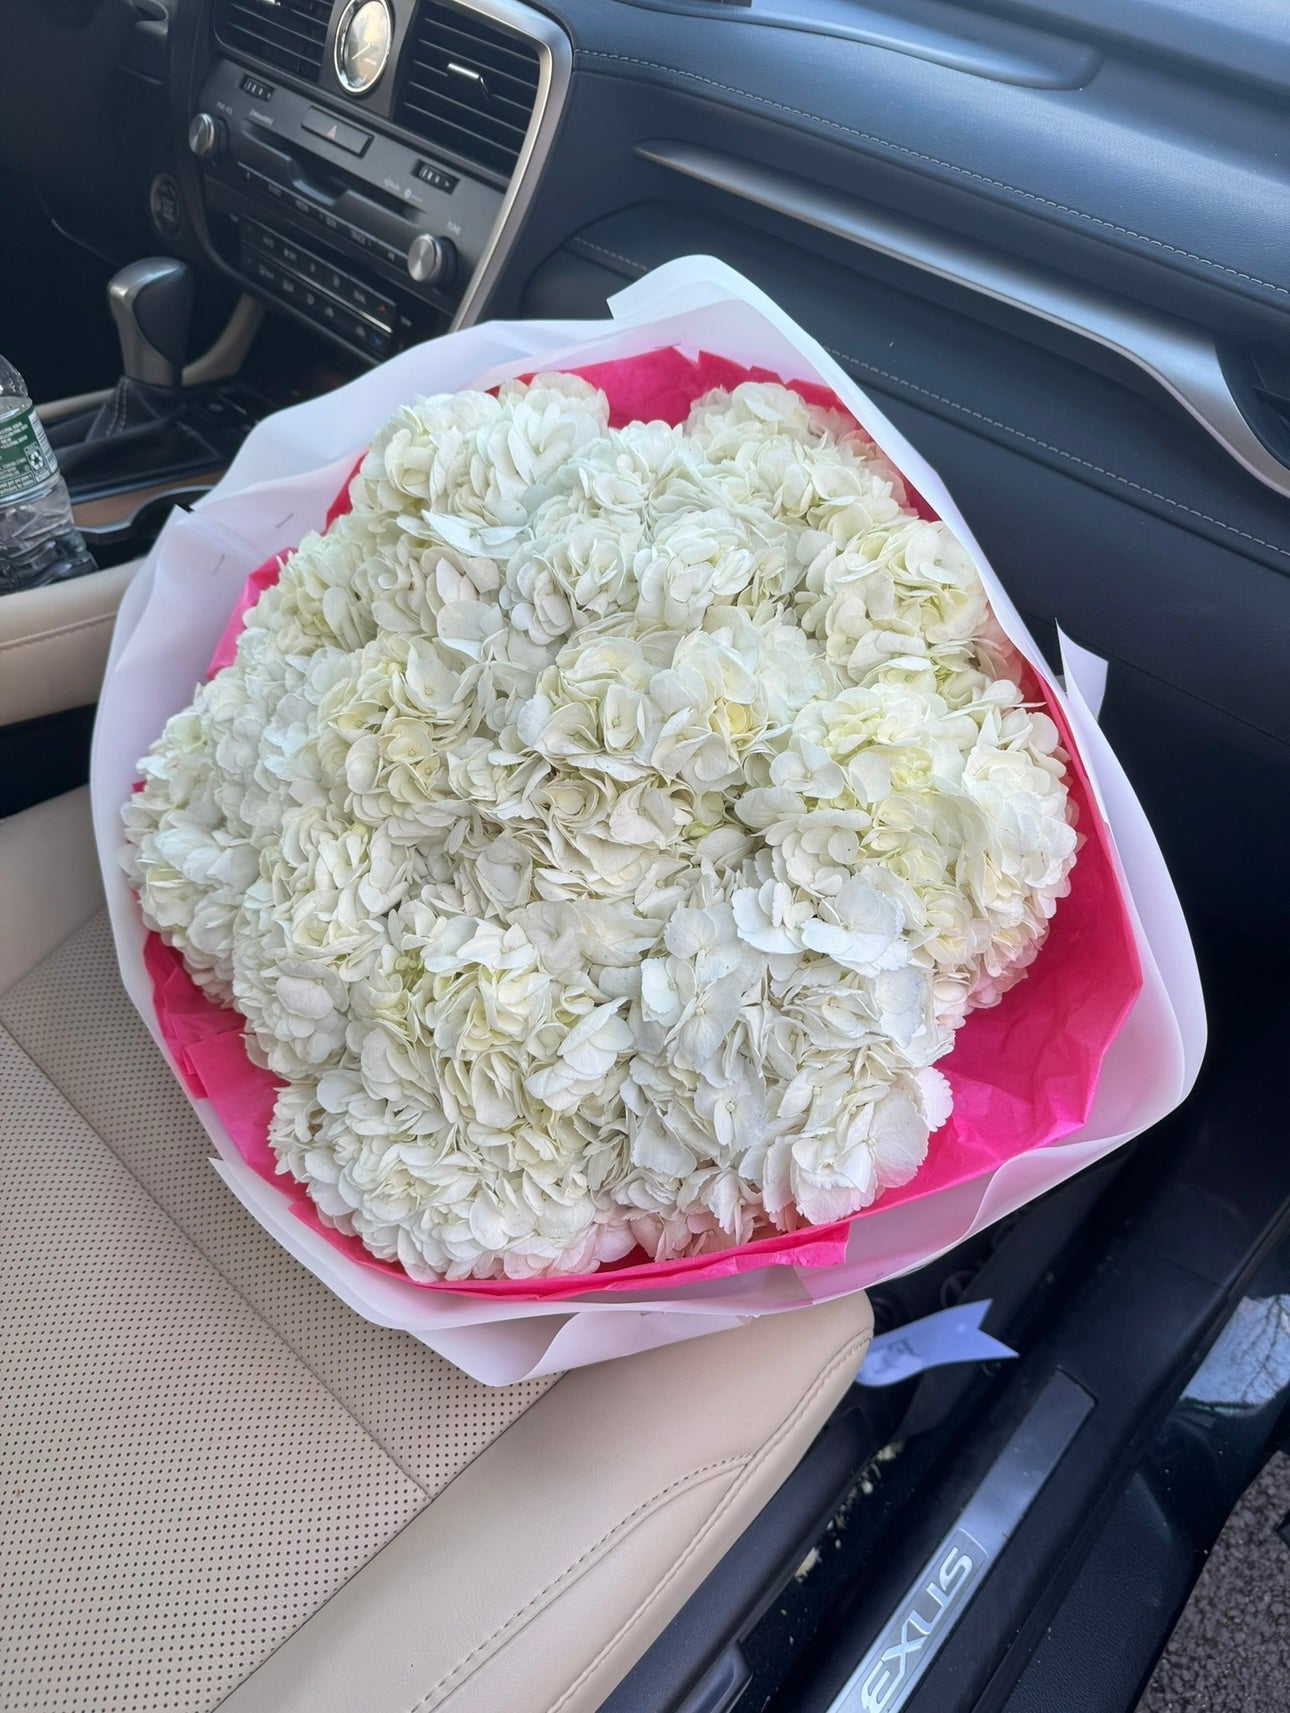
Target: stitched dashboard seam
[(1003, 427), (936, 161), (1059, 452), (637, 268)]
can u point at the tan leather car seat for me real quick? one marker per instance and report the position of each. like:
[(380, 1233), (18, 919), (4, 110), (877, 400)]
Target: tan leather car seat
[(221, 1488)]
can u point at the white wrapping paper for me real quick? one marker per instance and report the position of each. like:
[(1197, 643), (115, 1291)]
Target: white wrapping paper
[(280, 485)]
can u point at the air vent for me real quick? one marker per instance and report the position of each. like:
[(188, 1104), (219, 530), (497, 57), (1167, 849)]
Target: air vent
[(289, 34), (468, 87)]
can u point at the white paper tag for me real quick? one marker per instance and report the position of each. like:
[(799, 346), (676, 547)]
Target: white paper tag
[(1086, 669), (953, 1335)]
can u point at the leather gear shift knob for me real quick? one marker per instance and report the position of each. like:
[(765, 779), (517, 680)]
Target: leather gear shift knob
[(152, 304)]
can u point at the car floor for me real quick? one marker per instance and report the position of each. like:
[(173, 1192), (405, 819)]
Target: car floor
[(1231, 1650)]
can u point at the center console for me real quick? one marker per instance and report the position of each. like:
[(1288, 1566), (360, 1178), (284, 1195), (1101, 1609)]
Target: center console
[(363, 164)]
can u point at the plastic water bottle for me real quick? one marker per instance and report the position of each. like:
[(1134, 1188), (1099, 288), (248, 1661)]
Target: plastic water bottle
[(39, 543)]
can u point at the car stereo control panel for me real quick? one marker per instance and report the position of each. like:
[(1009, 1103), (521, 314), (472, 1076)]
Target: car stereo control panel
[(375, 218), (357, 159)]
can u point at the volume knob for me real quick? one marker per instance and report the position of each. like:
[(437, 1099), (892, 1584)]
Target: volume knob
[(206, 136), (430, 259)]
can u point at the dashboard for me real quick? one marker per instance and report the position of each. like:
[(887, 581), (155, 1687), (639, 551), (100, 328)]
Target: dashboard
[(361, 163), (1050, 236)]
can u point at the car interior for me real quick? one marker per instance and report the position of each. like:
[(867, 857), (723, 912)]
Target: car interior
[(1051, 238)]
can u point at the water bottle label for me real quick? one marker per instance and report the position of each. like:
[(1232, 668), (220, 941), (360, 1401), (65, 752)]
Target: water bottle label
[(26, 458)]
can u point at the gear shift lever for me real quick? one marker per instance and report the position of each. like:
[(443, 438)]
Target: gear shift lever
[(152, 305), (138, 434)]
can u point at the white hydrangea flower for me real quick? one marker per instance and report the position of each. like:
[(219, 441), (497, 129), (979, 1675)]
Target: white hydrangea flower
[(604, 832)]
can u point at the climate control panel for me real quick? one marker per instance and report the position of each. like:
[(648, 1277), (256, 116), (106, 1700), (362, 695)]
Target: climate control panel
[(333, 298)]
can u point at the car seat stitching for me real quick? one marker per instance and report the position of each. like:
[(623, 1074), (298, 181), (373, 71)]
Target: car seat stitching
[(947, 166), (746, 1463), (694, 1476), (1003, 427), (29, 638), (847, 1357), (7, 1028)]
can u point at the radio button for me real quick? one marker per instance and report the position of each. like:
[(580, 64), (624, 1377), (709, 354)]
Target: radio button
[(265, 272)]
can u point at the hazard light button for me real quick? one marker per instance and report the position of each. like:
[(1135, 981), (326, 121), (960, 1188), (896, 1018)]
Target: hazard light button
[(333, 130)]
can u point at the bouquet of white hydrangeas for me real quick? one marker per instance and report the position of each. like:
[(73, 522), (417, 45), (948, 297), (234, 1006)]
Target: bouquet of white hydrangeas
[(602, 854), (603, 831)]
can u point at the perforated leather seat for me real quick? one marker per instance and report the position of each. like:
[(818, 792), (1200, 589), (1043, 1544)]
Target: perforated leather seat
[(220, 1487)]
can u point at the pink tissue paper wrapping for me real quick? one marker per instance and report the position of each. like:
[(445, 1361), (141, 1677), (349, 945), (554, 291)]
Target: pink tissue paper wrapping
[(1069, 1067), (1023, 1073)]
